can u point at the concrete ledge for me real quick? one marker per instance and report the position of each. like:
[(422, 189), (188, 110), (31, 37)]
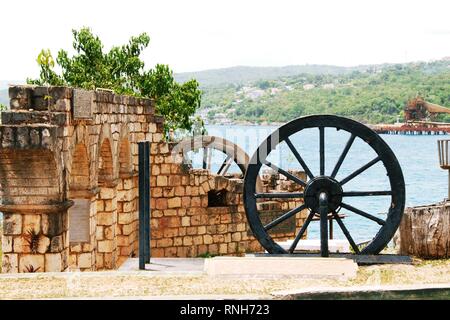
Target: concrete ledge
[(306, 245), (359, 259), (281, 266)]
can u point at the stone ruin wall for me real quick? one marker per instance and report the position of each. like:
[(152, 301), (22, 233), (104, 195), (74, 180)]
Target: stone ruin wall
[(185, 224), (69, 186)]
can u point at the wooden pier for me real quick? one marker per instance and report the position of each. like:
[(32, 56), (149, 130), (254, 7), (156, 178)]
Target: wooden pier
[(413, 128)]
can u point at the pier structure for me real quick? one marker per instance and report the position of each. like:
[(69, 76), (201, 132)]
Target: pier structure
[(413, 128)]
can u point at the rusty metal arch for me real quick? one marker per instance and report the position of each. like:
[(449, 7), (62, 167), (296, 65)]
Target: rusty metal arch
[(234, 153)]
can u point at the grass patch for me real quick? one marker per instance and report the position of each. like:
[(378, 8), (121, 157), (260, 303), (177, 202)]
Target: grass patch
[(207, 255)]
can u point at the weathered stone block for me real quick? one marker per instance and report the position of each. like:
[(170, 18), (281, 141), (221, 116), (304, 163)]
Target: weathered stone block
[(109, 232), (105, 246), (75, 247), (57, 244), (32, 263), (99, 261), (10, 263), (110, 205), (223, 248), (185, 221), (161, 181), (207, 239), (213, 249), (198, 240), (52, 224), (122, 241), (7, 244), (53, 262), (128, 229), (165, 169), (21, 244), (110, 260), (164, 243), (236, 237), (105, 218), (85, 260), (43, 244), (125, 218), (107, 193), (12, 224), (174, 202), (187, 241), (161, 204), (201, 230)]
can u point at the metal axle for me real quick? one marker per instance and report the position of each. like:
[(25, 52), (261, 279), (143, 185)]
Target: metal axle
[(323, 211)]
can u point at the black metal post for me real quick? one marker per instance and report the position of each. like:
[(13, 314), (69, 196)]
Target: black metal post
[(147, 202), (144, 204), (323, 211)]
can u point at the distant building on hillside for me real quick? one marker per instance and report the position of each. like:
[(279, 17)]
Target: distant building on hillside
[(308, 86), (274, 91), (254, 94), (328, 86)]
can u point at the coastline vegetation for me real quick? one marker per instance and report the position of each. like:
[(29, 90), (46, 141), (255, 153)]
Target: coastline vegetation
[(377, 94)]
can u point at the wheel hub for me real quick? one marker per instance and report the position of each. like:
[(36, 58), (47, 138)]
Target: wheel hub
[(321, 184)]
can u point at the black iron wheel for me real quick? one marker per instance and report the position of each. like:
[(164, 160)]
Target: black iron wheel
[(324, 193)]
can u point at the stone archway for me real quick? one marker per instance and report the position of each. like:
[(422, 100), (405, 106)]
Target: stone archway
[(127, 214), (82, 214), (106, 256), (63, 147), (35, 212)]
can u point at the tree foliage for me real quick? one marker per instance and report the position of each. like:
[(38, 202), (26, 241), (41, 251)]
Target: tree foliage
[(122, 70)]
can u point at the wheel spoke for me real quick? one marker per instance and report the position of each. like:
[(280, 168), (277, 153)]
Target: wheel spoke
[(322, 150), (360, 170), (285, 173), (209, 158), (345, 231), (299, 158), (366, 193), (279, 195), (225, 164), (284, 217), (205, 158), (343, 155), (186, 159), (301, 232), (364, 214)]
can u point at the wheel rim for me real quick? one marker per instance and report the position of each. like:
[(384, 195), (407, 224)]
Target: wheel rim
[(234, 154), (313, 187)]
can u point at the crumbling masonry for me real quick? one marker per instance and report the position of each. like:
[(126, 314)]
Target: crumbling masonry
[(69, 186)]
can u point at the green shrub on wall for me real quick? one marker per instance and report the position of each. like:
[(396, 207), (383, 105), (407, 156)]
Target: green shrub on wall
[(121, 70)]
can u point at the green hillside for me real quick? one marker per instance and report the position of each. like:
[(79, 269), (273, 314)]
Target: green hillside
[(242, 74), (377, 94)]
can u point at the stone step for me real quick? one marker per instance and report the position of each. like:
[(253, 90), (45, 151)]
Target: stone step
[(334, 245), (262, 266)]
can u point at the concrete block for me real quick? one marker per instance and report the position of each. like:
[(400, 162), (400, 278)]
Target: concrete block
[(282, 266)]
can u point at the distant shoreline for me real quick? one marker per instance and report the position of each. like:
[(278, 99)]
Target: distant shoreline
[(265, 123)]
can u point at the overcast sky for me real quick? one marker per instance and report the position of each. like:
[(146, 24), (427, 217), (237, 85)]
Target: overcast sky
[(196, 35)]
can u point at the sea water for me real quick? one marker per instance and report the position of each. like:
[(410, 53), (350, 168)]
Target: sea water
[(425, 181)]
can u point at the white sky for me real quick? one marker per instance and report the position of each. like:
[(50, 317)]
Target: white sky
[(193, 35)]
